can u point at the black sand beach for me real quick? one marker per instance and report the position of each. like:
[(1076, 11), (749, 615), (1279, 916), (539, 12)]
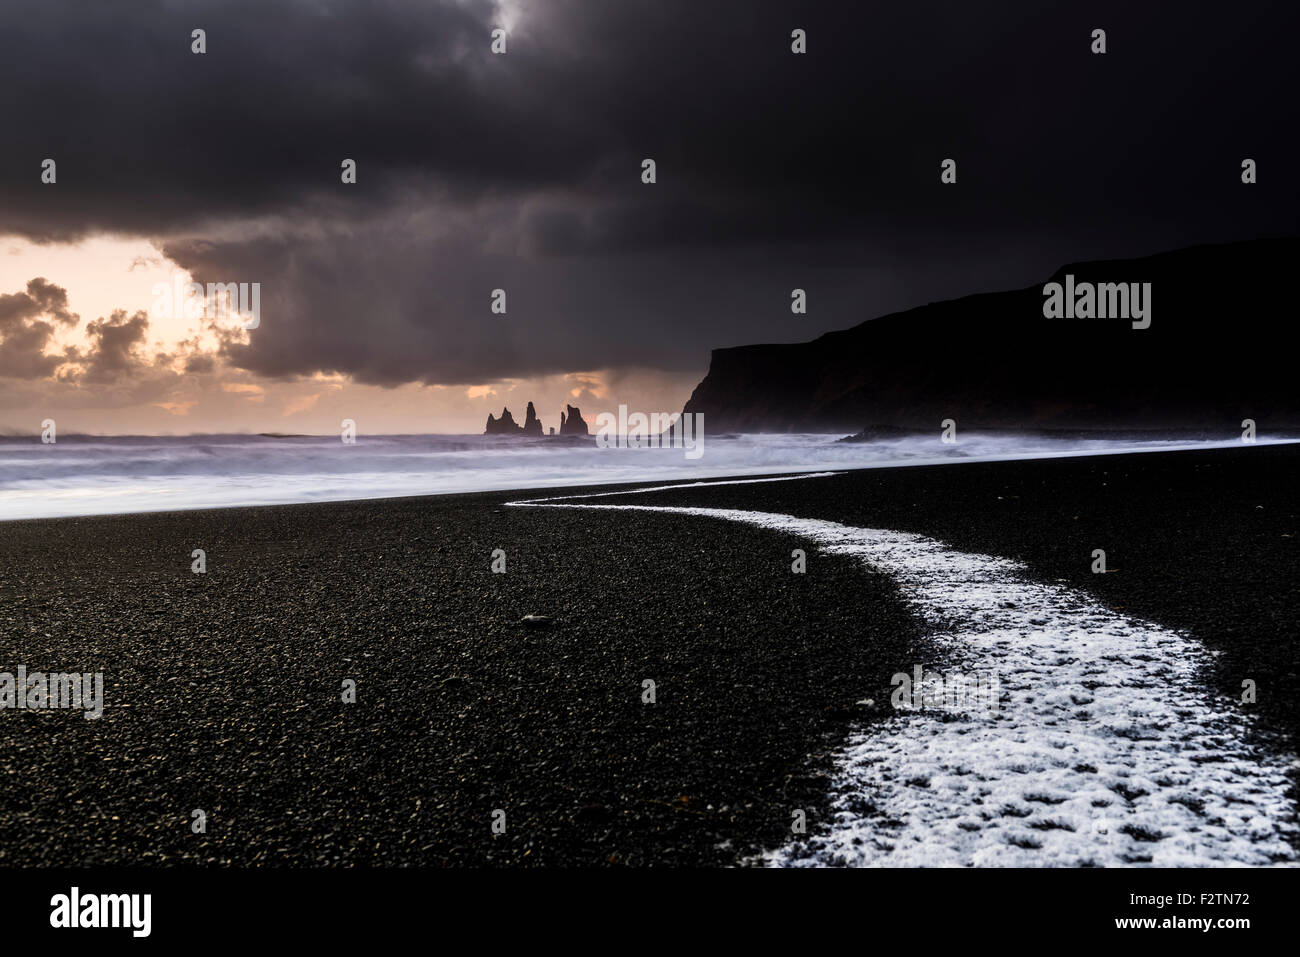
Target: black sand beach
[(1203, 541), (223, 690)]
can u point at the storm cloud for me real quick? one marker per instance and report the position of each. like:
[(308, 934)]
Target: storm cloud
[(28, 321), (522, 171)]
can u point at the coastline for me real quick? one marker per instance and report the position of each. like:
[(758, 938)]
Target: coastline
[(222, 690)]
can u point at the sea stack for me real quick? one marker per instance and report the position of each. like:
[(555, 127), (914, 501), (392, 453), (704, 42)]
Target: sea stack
[(572, 423), (505, 425), (532, 424)]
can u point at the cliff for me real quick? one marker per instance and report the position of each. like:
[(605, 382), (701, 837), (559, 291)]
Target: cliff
[(1216, 352)]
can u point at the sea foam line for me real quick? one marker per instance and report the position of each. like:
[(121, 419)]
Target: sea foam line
[(1107, 748)]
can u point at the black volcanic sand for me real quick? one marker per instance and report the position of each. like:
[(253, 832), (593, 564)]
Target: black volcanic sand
[(1203, 541), (224, 690)]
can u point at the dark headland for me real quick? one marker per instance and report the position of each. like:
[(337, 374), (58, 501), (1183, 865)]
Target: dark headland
[(1217, 351), (223, 690)]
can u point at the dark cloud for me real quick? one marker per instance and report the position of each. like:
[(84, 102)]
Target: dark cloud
[(522, 172), (42, 298), (115, 346), (199, 365), (113, 367), (22, 349), (27, 326)]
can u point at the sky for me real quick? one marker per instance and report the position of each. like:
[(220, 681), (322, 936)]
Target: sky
[(522, 171)]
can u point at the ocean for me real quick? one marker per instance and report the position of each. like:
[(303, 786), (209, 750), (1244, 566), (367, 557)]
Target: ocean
[(97, 475)]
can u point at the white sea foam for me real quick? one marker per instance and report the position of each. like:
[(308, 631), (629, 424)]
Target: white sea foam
[(1107, 748)]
